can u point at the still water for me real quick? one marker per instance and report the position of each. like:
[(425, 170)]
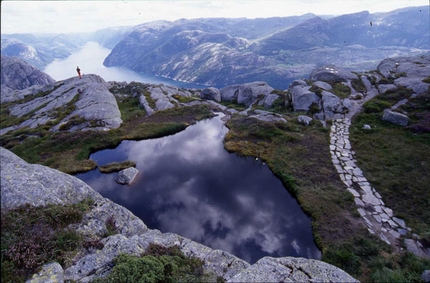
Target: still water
[(190, 185), (90, 60)]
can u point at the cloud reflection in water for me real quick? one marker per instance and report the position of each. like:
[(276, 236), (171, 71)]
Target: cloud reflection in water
[(192, 186)]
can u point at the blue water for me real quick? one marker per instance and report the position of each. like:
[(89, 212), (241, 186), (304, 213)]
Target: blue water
[(190, 185), (90, 60)]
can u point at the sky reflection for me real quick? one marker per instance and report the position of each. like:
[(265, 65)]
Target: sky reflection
[(190, 185)]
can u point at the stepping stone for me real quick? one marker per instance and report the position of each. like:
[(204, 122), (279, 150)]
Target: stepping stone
[(378, 195), (377, 218), (378, 208), (371, 231), (368, 223), (358, 172), (388, 211), (358, 202), (367, 189), (400, 222), (362, 212), (383, 238), (384, 217), (393, 224), (402, 231), (395, 234), (353, 192)]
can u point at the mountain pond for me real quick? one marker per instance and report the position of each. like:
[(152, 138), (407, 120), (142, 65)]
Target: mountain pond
[(190, 185)]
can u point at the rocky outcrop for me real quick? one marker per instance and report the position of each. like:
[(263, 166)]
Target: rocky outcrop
[(37, 185), (407, 72), (18, 74), (302, 98), (160, 97), (332, 73), (245, 93), (291, 269), (72, 104), (211, 93)]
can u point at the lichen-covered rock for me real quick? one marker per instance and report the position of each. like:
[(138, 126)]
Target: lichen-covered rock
[(49, 273), (38, 185), (290, 269)]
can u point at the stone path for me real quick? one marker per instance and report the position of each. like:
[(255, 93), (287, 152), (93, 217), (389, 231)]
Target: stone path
[(379, 218)]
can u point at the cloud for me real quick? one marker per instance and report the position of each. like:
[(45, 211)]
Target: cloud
[(82, 16)]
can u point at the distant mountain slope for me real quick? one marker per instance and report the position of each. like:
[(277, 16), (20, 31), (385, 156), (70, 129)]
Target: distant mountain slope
[(221, 52), (40, 50), (17, 74)]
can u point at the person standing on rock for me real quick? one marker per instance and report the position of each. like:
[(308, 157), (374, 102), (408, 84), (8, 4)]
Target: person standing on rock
[(79, 72)]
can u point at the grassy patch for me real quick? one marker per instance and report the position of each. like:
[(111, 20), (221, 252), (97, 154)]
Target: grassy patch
[(69, 151), (32, 237), (158, 264), (116, 166), (341, 90), (396, 162)]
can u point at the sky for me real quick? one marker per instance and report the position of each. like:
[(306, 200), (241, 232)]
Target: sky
[(87, 16)]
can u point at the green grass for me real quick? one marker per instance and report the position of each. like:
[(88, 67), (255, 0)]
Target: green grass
[(116, 166), (341, 90), (397, 163), (69, 151), (158, 264)]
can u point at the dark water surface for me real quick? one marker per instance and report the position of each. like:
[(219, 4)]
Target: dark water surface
[(190, 185)]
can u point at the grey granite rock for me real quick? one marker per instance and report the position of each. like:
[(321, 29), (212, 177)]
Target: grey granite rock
[(332, 73), (211, 93), (245, 93), (289, 269), (49, 273), (395, 118), (127, 176)]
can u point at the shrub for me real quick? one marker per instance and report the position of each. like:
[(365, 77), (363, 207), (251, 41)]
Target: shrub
[(375, 106), (33, 236), (157, 264)]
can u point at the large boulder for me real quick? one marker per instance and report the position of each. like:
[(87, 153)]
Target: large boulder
[(211, 93), (332, 73), (38, 185), (302, 98), (395, 118), (245, 93), (331, 103), (127, 176)]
